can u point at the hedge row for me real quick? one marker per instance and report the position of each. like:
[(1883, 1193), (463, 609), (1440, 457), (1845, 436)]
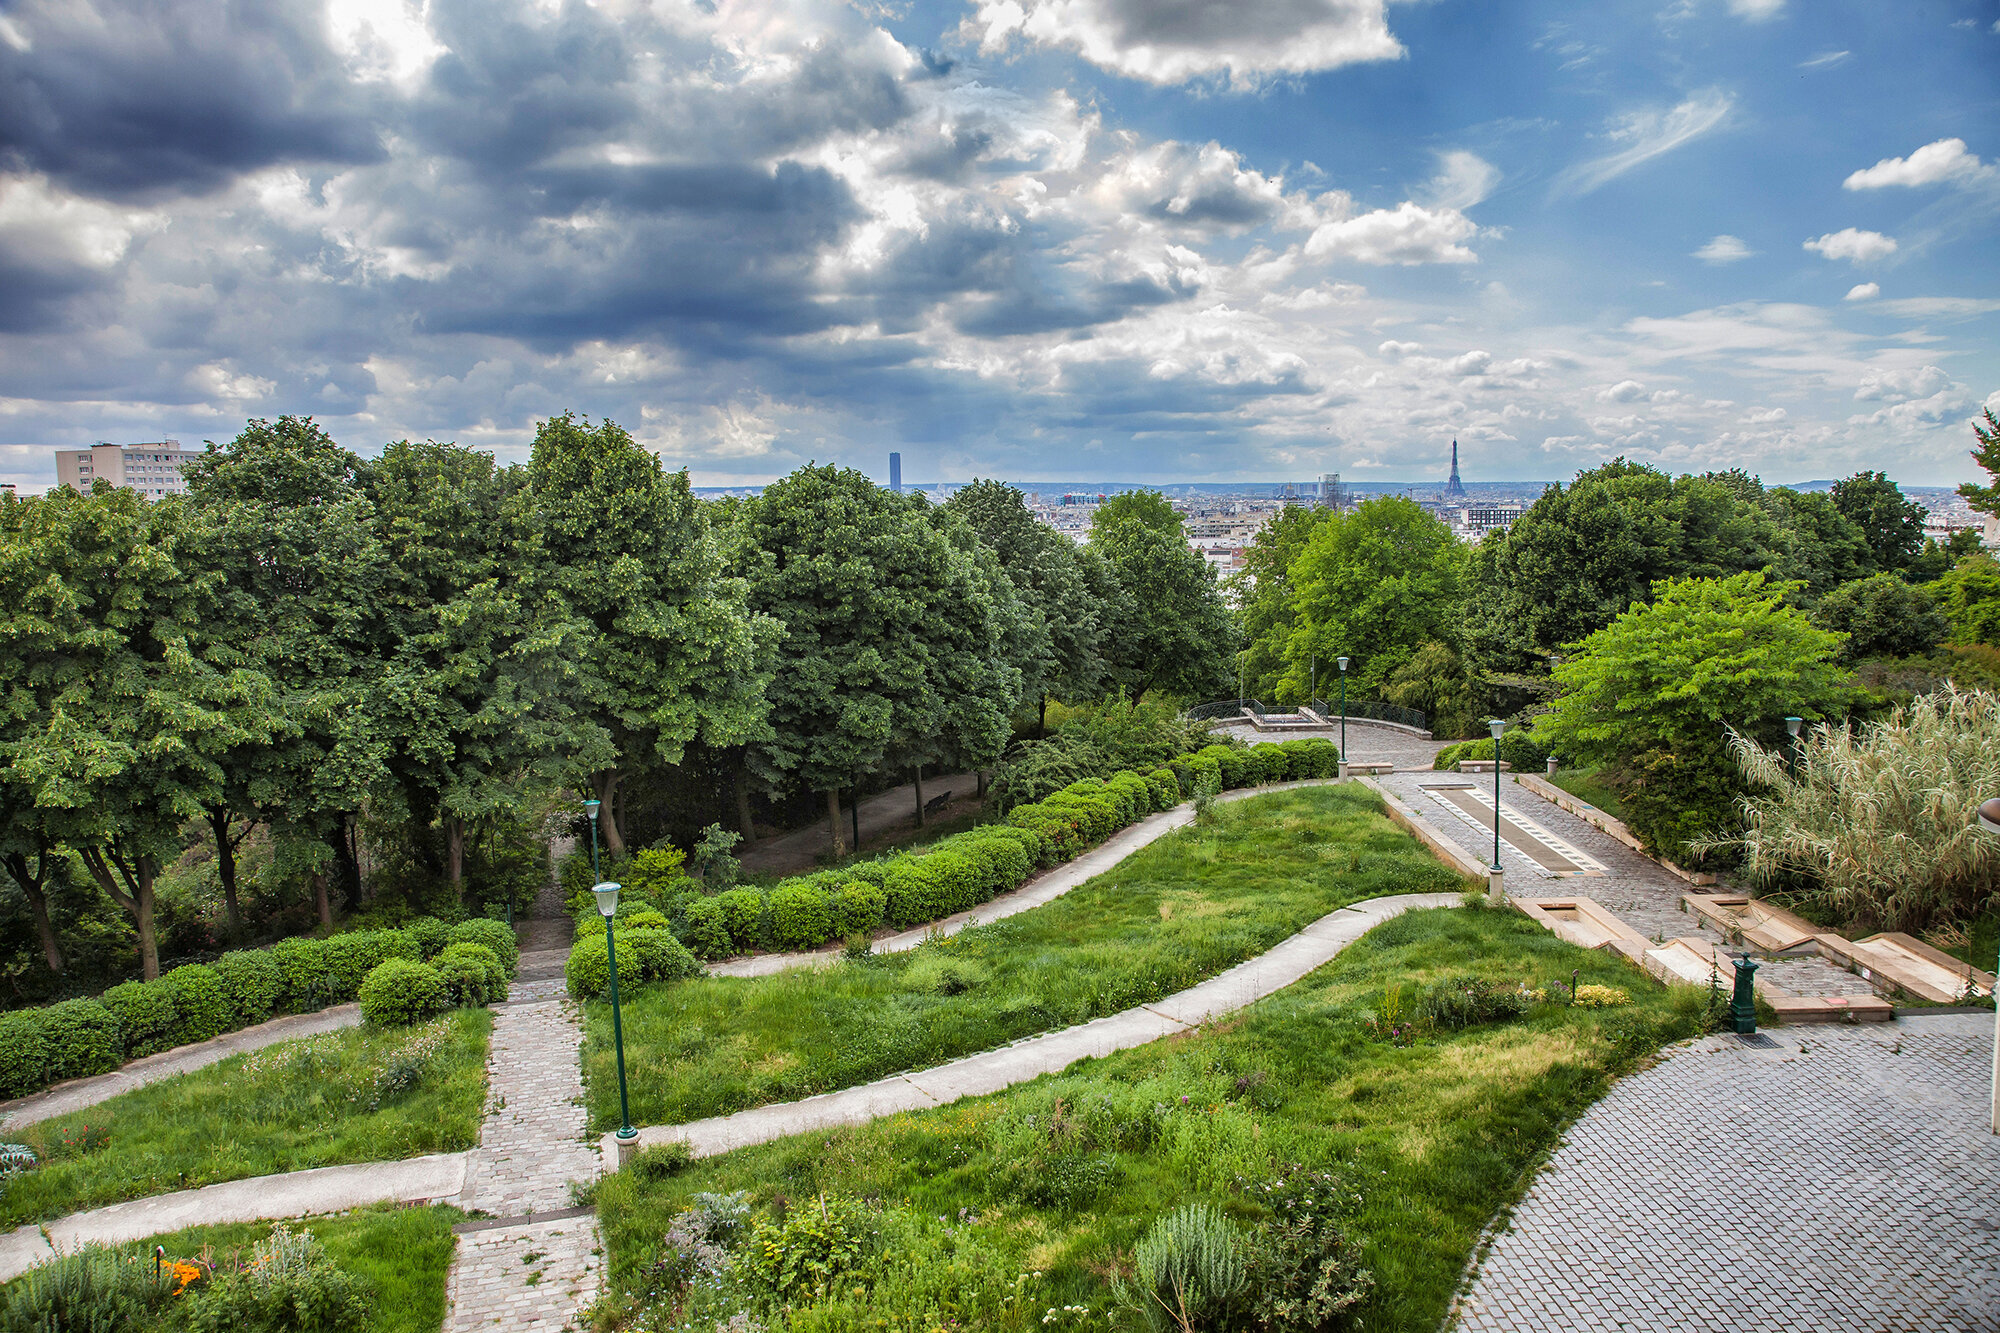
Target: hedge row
[(193, 1003), (647, 952), (1516, 747)]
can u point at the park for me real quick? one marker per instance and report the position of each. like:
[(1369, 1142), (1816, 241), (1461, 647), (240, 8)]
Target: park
[(443, 896)]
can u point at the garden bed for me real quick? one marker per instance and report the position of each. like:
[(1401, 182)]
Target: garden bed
[(1017, 1211), (361, 1095)]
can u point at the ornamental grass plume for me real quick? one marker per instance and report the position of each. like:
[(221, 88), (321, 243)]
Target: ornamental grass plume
[(1881, 821)]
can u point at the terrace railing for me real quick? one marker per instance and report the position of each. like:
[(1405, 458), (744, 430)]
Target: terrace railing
[(1377, 709)]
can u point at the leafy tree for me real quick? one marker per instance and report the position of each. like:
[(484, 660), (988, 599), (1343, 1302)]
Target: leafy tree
[(1969, 596), (889, 645), (1064, 658), (1818, 547), (670, 654), (122, 696), (1169, 628), (1436, 680), (292, 542), (1985, 499), (1654, 695), (1269, 599), (1148, 507), (1882, 616), (1892, 526), (1374, 584)]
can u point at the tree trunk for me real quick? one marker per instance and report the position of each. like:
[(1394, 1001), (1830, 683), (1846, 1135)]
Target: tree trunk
[(138, 902), (454, 855), (1042, 720), (225, 868), (346, 866), (149, 944), (833, 820), (38, 904), (322, 900), (982, 784), (607, 813), (744, 824), (920, 795)]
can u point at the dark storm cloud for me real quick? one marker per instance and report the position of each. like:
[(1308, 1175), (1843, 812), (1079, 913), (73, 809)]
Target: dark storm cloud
[(1052, 301), (136, 98), (39, 294)]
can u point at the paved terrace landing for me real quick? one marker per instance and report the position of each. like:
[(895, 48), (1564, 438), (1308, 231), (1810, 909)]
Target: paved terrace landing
[(1842, 1180)]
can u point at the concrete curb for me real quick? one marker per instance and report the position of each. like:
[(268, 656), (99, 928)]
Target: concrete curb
[(325, 1189), (1413, 823), (79, 1093), (1609, 825), (1049, 1053)]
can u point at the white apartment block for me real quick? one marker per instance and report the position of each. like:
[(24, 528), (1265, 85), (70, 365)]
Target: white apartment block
[(150, 469)]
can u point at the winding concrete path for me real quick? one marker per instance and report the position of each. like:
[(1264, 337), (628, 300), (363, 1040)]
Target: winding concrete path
[(991, 1071)]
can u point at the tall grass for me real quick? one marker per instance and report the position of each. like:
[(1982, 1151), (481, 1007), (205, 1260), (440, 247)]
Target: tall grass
[(1183, 909), (1879, 825)]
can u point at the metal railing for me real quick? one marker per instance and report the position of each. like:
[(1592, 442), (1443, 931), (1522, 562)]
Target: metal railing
[(1377, 709), (1210, 711)]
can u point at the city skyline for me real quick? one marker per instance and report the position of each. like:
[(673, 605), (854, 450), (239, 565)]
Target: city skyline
[(1076, 238)]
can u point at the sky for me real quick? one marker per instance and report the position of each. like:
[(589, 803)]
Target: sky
[(1149, 240)]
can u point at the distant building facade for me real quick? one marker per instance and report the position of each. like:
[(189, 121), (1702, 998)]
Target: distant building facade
[(150, 469), (1330, 494), (896, 474)]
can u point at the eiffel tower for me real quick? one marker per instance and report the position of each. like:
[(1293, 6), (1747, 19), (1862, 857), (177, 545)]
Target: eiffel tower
[(1453, 489)]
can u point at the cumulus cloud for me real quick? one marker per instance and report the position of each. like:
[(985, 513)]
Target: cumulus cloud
[(1863, 291), (1463, 179), (1625, 391), (1901, 384), (1724, 249), (1854, 245), (1944, 160), (1406, 234), (1647, 135)]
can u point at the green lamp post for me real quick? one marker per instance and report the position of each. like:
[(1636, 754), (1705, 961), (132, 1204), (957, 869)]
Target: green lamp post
[(607, 906), (1792, 726), (1343, 712), (1989, 819), (590, 808)]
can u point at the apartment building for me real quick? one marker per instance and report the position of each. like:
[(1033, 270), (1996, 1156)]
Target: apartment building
[(150, 469)]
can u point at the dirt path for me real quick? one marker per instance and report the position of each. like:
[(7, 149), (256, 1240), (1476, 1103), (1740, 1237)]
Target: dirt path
[(893, 811)]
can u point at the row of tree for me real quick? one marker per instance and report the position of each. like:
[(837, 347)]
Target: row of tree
[(435, 641)]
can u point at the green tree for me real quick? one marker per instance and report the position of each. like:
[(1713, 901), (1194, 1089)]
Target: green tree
[(1969, 596), (1892, 525), (671, 655), (1985, 499), (1374, 584), (890, 649), (1169, 628), (1148, 507), (1818, 547), (1265, 591), (1654, 696), (1882, 616)]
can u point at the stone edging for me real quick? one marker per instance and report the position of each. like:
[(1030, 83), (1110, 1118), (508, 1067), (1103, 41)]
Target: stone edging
[(1610, 826), (1420, 828)]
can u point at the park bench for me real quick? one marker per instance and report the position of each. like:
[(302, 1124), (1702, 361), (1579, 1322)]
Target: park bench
[(1374, 768), (1482, 766), (937, 803)]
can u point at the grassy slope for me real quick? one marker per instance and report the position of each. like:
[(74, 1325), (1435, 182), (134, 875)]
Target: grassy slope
[(290, 1106), (1582, 783), (401, 1253), (1190, 905), (1435, 1137)]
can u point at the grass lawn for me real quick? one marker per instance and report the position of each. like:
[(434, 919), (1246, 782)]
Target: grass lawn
[(1583, 784), (1188, 906), (1007, 1212), (360, 1095), (400, 1253)]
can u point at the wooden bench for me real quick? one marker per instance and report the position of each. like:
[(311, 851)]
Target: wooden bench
[(1482, 766), (937, 803)]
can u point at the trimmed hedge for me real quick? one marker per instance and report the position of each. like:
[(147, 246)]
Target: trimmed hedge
[(801, 915), (643, 955), (145, 1014), (495, 935), (1516, 747), (253, 982), (743, 915), (399, 991), (705, 928), (472, 974), (202, 1008)]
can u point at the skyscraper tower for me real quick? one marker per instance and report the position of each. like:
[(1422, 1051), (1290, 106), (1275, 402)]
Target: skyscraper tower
[(1453, 489), (896, 473)]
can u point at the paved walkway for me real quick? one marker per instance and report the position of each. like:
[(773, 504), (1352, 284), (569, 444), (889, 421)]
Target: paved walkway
[(79, 1093), (990, 1071), (893, 810), (1365, 744), (1843, 1182)]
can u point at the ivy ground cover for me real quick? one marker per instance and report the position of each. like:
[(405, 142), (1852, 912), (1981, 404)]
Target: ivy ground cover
[(1023, 1210), (359, 1095), (1192, 904)]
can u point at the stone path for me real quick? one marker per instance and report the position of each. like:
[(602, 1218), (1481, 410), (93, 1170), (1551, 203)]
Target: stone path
[(1031, 1057), (1844, 1182), (79, 1093), (1365, 744)]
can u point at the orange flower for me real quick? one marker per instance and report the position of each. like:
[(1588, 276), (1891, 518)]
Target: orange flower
[(185, 1275)]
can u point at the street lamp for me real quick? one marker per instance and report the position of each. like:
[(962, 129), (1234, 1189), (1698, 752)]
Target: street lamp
[(1989, 819), (590, 810), (1343, 710), (1496, 725), (1792, 725), (607, 906)]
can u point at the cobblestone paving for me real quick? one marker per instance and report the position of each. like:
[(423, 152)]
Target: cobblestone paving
[(1639, 892), (1846, 1187), (531, 1276), (1365, 744)]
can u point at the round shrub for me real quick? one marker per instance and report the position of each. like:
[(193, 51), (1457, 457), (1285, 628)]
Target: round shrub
[(145, 1015), (646, 920), (253, 982), (912, 893), (801, 915), (431, 935), (399, 991), (495, 935), (858, 908), (301, 973), (81, 1037), (705, 928), (398, 943), (202, 1008), (643, 955), (349, 958), (1166, 788), (471, 973), (24, 1054), (743, 911), (661, 956)]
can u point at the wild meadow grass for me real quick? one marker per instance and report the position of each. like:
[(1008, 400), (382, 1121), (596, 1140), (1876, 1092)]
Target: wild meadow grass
[(1587, 786), (359, 1095), (1015, 1211), (400, 1254), (1189, 906)]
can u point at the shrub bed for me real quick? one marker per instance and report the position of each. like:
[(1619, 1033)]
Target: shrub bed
[(643, 955)]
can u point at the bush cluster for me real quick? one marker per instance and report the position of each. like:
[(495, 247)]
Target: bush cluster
[(199, 1001), (644, 955), (1518, 748)]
